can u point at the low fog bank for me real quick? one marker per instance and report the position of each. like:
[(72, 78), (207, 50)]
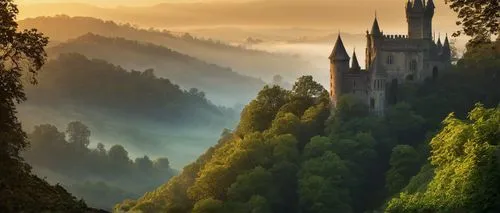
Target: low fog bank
[(98, 174), (138, 135)]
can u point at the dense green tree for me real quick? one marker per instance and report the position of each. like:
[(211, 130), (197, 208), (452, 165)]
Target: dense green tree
[(259, 114), (78, 134), (256, 182), (405, 124), (404, 163), (208, 206), (259, 204), (322, 184), (466, 175)]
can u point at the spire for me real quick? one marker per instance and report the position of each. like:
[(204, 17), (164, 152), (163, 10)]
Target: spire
[(339, 53), (446, 42), (408, 6), (439, 43), (375, 27), (418, 4), (446, 51), (355, 63), (430, 4)]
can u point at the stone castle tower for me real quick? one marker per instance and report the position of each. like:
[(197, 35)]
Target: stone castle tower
[(390, 60)]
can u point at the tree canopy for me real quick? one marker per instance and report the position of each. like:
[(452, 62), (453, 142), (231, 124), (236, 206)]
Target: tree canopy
[(479, 18)]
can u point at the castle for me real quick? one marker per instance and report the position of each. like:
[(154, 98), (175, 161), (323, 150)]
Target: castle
[(390, 60)]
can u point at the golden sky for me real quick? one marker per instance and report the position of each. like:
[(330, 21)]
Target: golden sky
[(347, 15), (110, 2)]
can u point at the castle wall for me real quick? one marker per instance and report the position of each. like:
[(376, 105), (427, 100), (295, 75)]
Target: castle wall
[(404, 66), (357, 84), (377, 99)]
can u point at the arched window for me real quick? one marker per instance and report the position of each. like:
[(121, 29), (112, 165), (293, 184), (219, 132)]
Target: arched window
[(390, 59), (435, 73), (372, 103), (409, 77)]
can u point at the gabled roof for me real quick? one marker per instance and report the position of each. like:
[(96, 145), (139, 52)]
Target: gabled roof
[(339, 53)]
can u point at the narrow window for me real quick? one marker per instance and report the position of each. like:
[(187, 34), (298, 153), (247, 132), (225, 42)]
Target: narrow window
[(390, 59), (413, 65), (435, 73), (372, 103)]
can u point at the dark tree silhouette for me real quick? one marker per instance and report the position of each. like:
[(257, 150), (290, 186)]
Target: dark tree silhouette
[(479, 18), (22, 54)]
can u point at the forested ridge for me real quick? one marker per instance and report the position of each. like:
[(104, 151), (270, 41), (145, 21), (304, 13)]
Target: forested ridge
[(249, 62), (74, 80), (221, 84), (289, 155)]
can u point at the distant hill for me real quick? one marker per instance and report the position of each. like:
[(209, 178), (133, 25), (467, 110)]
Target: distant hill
[(137, 109), (73, 79), (254, 63), (222, 85)]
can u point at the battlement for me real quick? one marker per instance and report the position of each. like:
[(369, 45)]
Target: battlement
[(395, 37)]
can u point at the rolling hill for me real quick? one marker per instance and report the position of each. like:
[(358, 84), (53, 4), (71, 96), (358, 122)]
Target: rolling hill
[(221, 85), (259, 64)]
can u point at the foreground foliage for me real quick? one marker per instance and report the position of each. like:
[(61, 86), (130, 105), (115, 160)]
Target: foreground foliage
[(22, 55), (466, 167)]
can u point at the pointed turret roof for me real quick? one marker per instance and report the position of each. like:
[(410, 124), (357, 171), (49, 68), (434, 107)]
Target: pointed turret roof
[(439, 43), (408, 5), (430, 4), (446, 42), (375, 27), (339, 53), (355, 63), (418, 4)]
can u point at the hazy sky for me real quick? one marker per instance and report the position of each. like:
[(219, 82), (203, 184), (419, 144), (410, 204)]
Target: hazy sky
[(110, 2), (347, 15)]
